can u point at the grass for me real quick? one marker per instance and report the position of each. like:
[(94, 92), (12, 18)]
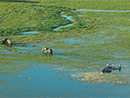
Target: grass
[(105, 34), (30, 17)]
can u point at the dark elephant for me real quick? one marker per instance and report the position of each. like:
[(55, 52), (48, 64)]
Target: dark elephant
[(7, 41), (47, 50)]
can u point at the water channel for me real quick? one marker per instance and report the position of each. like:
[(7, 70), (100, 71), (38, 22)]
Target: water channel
[(42, 80), (69, 18), (81, 10)]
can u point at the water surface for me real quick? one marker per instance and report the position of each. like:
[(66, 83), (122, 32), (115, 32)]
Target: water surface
[(91, 10), (67, 18), (43, 80), (29, 32)]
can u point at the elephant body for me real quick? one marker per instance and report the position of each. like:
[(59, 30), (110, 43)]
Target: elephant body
[(7, 41), (47, 50)]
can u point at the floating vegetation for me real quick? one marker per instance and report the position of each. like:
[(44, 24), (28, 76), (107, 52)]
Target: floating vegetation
[(97, 77)]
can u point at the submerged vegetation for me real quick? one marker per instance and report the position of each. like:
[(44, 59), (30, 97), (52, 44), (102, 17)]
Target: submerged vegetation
[(94, 39)]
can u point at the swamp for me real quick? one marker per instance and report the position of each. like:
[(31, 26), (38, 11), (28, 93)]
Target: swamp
[(84, 35)]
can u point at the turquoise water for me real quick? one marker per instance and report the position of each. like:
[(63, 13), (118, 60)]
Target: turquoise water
[(29, 32), (91, 10), (43, 81), (67, 18)]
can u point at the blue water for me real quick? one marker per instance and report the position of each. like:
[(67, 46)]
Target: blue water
[(42, 81), (68, 18), (91, 10), (56, 29), (29, 32)]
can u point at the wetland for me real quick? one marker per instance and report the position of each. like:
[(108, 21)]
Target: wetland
[(85, 41)]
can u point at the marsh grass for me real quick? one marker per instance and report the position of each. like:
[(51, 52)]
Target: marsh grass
[(95, 39), (30, 17), (95, 77)]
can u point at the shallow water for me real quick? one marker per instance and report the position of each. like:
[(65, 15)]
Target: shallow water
[(47, 82), (64, 57), (38, 76), (68, 18), (91, 10), (56, 29), (29, 32)]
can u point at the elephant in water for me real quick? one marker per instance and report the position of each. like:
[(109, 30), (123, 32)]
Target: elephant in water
[(47, 50), (7, 41)]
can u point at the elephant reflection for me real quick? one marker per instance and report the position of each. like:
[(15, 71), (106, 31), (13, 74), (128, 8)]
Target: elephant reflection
[(47, 50)]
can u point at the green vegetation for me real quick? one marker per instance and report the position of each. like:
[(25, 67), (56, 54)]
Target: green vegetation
[(17, 18), (94, 39)]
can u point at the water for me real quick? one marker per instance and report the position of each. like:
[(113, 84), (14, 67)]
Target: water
[(91, 10), (68, 18), (29, 32), (43, 81), (56, 29), (67, 58), (40, 80)]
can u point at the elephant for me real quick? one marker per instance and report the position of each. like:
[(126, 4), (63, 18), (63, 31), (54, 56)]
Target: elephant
[(7, 41), (47, 50)]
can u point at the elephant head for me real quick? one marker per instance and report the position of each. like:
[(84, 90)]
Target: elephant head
[(47, 50), (7, 41)]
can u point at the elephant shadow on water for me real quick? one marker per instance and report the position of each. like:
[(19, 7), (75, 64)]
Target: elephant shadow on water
[(24, 45), (49, 51), (9, 45), (7, 49), (67, 54)]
